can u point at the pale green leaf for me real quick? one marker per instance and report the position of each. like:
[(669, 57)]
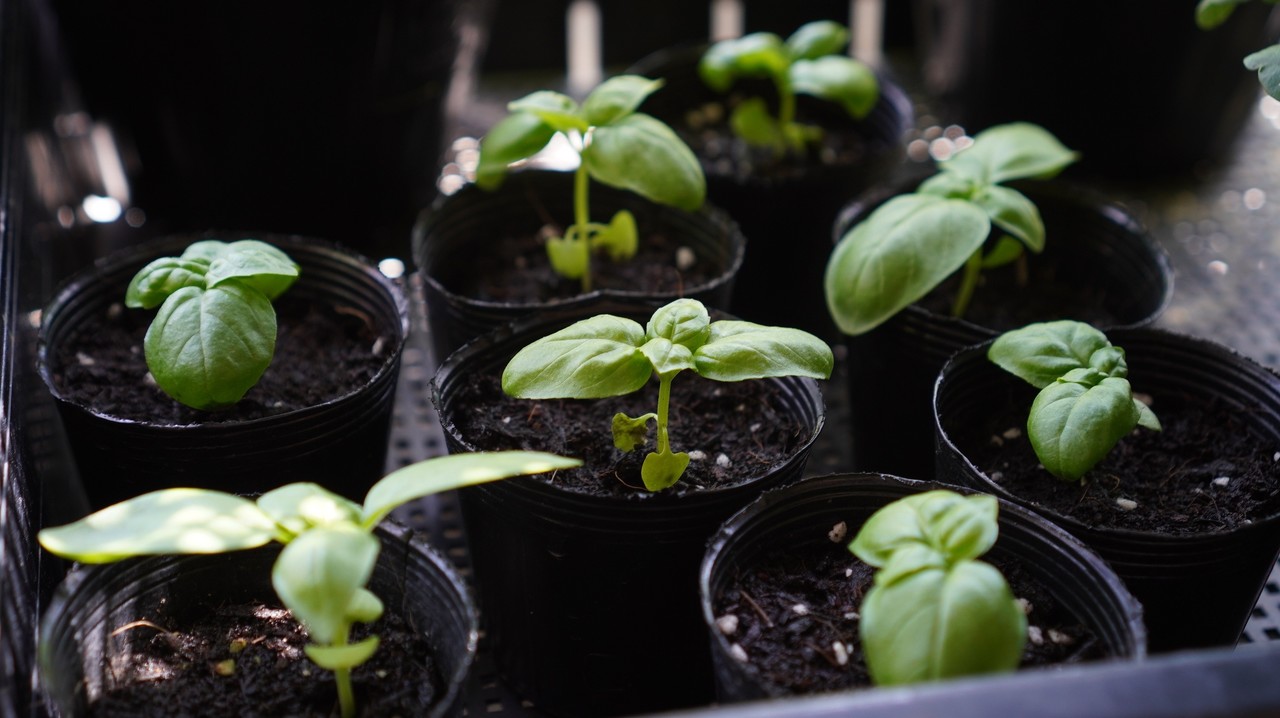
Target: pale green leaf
[(365, 607), (350, 655), (662, 470), (517, 137), (629, 434), (299, 506), (207, 348), (620, 238), (1212, 13), (1012, 151), (568, 256), (446, 473), (838, 79), (1007, 250), (1147, 417), (683, 321), (667, 357), (318, 573), (641, 154), (955, 527), (617, 97), (1267, 62), (1041, 353), (1011, 211), (171, 521), (590, 359), (740, 350), (759, 54), (1072, 426), (559, 111), (815, 39), (751, 121), (256, 264), (162, 277), (905, 249)]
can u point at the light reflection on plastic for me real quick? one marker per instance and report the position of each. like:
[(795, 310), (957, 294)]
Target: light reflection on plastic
[(1219, 267), (102, 209), (391, 267), (1254, 198)]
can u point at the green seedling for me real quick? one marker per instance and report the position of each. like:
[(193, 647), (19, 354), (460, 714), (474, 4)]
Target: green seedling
[(934, 611), (1212, 13), (806, 63), (608, 355), (329, 547), (1085, 404), (215, 332), (913, 242), (616, 146)]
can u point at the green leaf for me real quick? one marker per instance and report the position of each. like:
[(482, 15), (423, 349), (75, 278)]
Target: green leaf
[(897, 255), (663, 470), (256, 264), (641, 154), (559, 111), (667, 357), (740, 350), (172, 521), (619, 238), (683, 321), (751, 121), (1147, 417), (908, 560), (446, 473), (955, 527), (1267, 62), (299, 506), (205, 250), (617, 97), (629, 434), (365, 607), (590, 359), (1007, 250), (1012, 151), (567, 256), (842, 80), (759, 54), (1041, 353), (318, 573), (162, 277), (207, 348), (1072, 426), (815, 39), (951, 185), (517, 137), (350, 655), (1212, 13), (1011, 211), (939, 624)]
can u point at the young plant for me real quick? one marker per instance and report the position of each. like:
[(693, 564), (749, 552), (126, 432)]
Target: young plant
[(1212, 13), (806, 63), (1085, 404), (215, 332), (913, 242), (329, 547), (608, 355), (934, 611), (616, 146)]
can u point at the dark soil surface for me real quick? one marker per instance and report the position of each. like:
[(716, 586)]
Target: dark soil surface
[(745, 422), (183, 671), (794, 605), (1204, 472), (516, 270), (1006, 299), (322, 353)]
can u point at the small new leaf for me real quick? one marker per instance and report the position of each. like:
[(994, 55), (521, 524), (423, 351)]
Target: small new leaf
[(817, 39), (162, 277), (629, 434), (617, 97), (567, 258), (841, 80), (558, 111), (1040, 353), (1072, 425), (619, 238)]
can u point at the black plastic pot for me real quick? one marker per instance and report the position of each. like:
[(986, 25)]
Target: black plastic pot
[(460, 227), (1094, 245), (786, 215), (1199, 589), (590, 603), (802, 513), (994, 61), (80, 640), (340, 443)]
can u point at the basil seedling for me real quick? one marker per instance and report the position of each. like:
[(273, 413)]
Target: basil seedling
[(1085, 404), (807, 63), (215, 332), (329, 548), (934, 611), (616, 146), (913, 242), (1212, 13), (608, 355)]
